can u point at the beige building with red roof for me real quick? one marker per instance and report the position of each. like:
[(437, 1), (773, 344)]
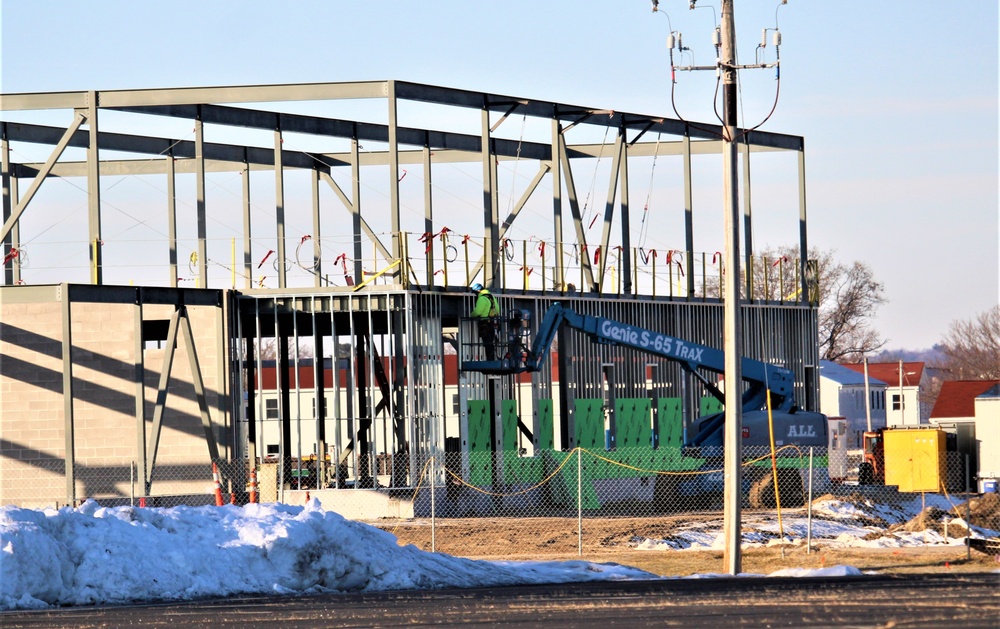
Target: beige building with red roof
[(971, 410)]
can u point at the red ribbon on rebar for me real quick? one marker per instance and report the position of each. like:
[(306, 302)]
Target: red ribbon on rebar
[(597, 255), (11, 255), (305, 238), (266, 256)]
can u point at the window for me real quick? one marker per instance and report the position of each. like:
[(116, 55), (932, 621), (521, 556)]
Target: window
[(897, 403), (271, 409), (272, 449), (878, 400)]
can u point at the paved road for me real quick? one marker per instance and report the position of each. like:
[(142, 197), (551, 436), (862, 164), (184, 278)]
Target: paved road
[(963, 600)]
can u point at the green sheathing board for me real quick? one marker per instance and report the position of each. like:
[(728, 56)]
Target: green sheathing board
[(671, 422), (545, 437), (479, 444), (632, 423), (508, 410), (589, 420), (710, 406)]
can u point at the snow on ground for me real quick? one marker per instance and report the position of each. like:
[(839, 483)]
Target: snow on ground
[(97, 555), (845, 522)]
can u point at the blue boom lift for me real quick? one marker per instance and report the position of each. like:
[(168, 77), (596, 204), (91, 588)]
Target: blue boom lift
[(791, 425)]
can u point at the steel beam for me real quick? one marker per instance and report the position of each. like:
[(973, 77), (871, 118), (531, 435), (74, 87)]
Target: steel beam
[(574, 206), (360, 224), (609, 208)]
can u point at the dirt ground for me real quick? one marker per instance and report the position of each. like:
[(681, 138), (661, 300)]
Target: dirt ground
[(614, 540)]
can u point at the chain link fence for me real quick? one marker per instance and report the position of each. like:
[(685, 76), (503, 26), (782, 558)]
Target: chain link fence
[(582, 502), (558, 504)]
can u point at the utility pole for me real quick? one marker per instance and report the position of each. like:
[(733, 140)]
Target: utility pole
[(732, 330)]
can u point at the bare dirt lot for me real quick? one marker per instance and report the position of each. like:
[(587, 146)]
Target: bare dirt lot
[(615, 540)]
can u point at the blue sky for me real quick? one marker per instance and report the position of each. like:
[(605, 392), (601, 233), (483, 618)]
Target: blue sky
[(897, 100)]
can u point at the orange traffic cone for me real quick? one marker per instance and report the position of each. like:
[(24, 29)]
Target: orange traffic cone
[(218, 485), (253, 486)]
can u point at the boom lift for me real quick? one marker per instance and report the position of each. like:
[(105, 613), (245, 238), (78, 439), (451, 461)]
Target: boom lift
[(791, 425)]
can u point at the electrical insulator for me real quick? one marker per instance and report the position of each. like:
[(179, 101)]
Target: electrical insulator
[(670, 41), (777, 38), (716, 38), (763, 38), (680, 45)]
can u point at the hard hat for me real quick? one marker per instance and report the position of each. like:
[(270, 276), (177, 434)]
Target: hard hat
[(476, 287)]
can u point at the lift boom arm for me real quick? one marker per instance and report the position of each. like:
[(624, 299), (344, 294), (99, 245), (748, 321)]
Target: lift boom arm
[(691, 356)]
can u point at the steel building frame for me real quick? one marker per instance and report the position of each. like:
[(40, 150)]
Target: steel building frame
[(412, 312)]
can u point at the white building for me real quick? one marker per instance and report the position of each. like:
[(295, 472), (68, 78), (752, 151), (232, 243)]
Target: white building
[(904, 382), (842, 394)]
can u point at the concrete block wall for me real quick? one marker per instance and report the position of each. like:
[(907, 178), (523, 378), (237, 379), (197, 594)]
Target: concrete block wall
[(32, 410)]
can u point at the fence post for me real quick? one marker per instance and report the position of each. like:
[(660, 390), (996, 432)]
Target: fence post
[(433, 507), (579, 500), (968, 511), (809, 507)]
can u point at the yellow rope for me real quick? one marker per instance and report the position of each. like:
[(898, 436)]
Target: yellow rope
[(523, 491), (569, 456)]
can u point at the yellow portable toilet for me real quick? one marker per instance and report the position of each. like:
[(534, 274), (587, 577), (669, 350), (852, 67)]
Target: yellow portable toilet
[(915, 458)]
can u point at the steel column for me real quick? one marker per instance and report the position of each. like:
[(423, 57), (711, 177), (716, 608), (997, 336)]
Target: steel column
[(559, 275), (199, 157), (279, 206), (94, 191), (747, 223), (803, 241), (688, 217), (491, 231), (394, 218), (67, 392), (139, 379), (5, 179), (626, 258), (317, 261), (172, 218)]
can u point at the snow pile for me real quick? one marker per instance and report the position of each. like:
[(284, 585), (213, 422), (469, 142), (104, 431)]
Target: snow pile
[(92, 555)]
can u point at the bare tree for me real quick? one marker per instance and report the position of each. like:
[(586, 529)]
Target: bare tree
[(972, 347), (269, 349), (849, 297)]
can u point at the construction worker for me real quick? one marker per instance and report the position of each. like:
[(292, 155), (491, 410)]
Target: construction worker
[(486, 312)]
